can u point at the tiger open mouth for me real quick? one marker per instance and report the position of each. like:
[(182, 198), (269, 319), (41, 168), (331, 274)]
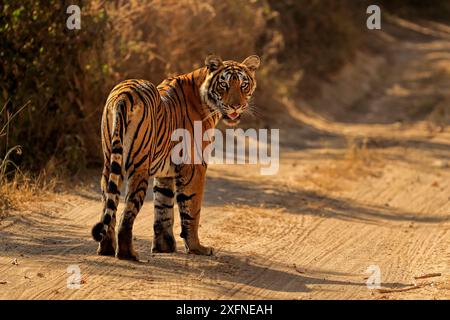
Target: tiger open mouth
[(232, 119)]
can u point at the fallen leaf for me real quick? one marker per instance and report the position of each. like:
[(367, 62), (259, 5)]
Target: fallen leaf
[(298, 270)]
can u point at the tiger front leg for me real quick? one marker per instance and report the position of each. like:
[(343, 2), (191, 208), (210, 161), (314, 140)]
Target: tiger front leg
[(190, 183), (164, 198)]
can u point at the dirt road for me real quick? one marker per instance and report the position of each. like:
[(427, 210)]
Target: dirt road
[(368, 188)]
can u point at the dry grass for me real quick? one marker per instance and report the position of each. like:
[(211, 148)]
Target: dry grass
[(357, 161), (360, 159), (17, 189), (155, 39), (21, 191)]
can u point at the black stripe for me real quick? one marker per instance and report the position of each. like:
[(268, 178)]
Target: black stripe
[(140, 148), (138, 164), (122, 108), (131, 174), (140, 189), (142, 186), (163, 206), (136, 133), (137, 204), (155, 169), (107, 219), (125, 118), (115, 168), (111, 205), (149, 94), (117, 150), (164, 191), (178, 100), (163, 136), (130, 97), (194, 86), (122, 123), (185, 216), (141, 97), (112, 187), (161, 123), (107, 128), (148, 140), (182, 197), (183, 94)]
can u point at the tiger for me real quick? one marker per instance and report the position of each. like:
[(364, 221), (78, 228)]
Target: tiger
[(137, 122)]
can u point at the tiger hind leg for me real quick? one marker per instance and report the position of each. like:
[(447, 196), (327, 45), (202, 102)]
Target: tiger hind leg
[(107, 246), (136, 191), (164, 199), (112, 178)]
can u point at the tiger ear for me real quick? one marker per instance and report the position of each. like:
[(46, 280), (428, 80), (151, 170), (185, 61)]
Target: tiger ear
[(252, 62), (213, 62)]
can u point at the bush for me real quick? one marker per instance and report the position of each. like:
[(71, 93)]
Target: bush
[(319, 36), (46, 64), (431, 9), (158, 38)]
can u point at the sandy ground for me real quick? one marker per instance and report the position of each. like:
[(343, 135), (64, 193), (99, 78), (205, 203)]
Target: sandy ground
[(367, 187)]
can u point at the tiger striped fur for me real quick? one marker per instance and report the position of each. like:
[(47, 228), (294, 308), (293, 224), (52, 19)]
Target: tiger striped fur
[(137, 123)]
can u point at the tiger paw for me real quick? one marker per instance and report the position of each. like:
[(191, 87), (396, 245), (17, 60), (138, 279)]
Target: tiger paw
[(127, 254), (106, 247), (125, 250), (199, 250), (164, 244)]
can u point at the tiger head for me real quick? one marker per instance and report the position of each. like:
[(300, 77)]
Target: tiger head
[(228, 86)]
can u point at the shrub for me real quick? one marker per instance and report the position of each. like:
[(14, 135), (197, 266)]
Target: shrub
[(45, 63)]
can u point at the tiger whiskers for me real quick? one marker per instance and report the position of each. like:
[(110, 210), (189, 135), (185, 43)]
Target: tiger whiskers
[(252, 111), (211, 115)]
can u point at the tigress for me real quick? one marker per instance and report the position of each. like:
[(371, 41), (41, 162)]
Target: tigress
[(137, 123)]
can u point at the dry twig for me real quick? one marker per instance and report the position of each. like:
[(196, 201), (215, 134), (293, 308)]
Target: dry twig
[(428, 275)]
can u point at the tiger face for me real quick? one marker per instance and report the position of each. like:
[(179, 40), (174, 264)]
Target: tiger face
[(228, 86)]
